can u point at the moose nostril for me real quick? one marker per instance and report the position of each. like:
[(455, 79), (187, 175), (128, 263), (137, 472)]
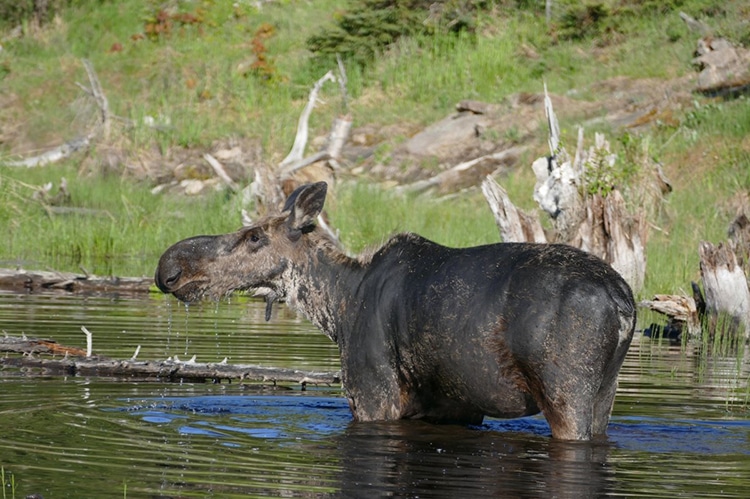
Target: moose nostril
[(172, 280), (166, 282)]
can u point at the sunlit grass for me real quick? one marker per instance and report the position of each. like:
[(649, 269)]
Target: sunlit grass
[(367, 216), (109, 226)]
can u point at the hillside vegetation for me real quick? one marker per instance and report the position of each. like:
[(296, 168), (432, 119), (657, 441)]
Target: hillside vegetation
[(184, 77)]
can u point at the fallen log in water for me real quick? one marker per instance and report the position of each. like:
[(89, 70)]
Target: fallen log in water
[(69, 361), (40, 280)]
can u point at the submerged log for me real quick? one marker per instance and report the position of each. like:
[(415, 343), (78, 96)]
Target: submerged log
[(73, 361), (40, 280)]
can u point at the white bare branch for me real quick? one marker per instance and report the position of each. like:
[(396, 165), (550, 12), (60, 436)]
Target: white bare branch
[(300, 140)]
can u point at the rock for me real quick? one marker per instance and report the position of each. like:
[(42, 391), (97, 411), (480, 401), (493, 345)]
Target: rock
[(445, 136), (723, 67)]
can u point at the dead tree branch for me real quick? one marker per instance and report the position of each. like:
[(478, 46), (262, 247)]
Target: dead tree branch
[(101, 101), (67, 149), (480, 166), (300, 140), (220, 171), (679, 309)]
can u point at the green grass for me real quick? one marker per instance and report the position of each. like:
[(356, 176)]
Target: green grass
[(709, 164), (366, 216), (122, 232), (8, 482)]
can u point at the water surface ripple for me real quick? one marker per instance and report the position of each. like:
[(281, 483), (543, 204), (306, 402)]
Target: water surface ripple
[(679, 428)]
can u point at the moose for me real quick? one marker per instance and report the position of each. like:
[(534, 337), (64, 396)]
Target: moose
[(429, 332)]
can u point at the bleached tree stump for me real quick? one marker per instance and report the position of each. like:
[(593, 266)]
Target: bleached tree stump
[(586, 207), (725, 286), (514, 224)]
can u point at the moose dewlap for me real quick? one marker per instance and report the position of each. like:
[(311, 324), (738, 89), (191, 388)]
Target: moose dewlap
[(424, 331)]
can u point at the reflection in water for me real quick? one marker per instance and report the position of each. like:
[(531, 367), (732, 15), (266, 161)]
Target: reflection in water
[(680, 425), (415, 459), (402, 458)]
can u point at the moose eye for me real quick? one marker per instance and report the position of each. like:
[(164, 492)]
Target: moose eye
[(254, 237)]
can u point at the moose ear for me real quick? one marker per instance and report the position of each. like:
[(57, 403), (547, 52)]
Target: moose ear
[(305, 204)]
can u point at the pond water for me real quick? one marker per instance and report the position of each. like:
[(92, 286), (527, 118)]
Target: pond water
[(680, 426)]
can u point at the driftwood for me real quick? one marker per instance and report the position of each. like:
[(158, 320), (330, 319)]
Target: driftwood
[(74, 361), (725, 286), (220, 171), (725, 310), (271, 185), (465, 173), (682, 311), (102, 127), (39, 280), (300, 139)]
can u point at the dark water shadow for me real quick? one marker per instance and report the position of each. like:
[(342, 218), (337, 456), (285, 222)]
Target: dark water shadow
[(416, 459), (514, 458), (501, 458)]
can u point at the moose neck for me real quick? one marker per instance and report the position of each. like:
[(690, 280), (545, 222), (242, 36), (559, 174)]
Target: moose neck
[(320, 285)]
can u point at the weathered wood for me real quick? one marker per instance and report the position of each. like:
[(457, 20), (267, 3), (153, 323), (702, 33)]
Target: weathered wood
[(101, 101), (739, 235), (611, 233), (81, 143), (51, 156), (300, 139), (466, 173), (340, 131), (591, 217), (680, 309), (725, 285), (73, 361), (271, 185), (515, 225), (40, 280), (220, 171)]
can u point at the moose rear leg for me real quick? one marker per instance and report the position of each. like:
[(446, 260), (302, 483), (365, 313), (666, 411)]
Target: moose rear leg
[(568, 403), (603, 404)]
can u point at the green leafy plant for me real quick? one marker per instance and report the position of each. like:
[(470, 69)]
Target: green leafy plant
[(584, 20)]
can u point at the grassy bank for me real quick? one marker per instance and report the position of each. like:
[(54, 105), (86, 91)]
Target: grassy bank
[(195, 81)]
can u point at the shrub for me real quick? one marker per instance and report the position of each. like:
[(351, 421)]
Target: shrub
[(15, 12), (371, 26)]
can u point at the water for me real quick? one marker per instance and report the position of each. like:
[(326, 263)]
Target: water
[(679, 427)]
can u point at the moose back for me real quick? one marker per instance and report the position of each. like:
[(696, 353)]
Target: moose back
[(430, 332)]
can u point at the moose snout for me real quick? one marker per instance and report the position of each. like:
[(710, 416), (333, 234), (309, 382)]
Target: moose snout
[(167, 278), (169, 270)]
